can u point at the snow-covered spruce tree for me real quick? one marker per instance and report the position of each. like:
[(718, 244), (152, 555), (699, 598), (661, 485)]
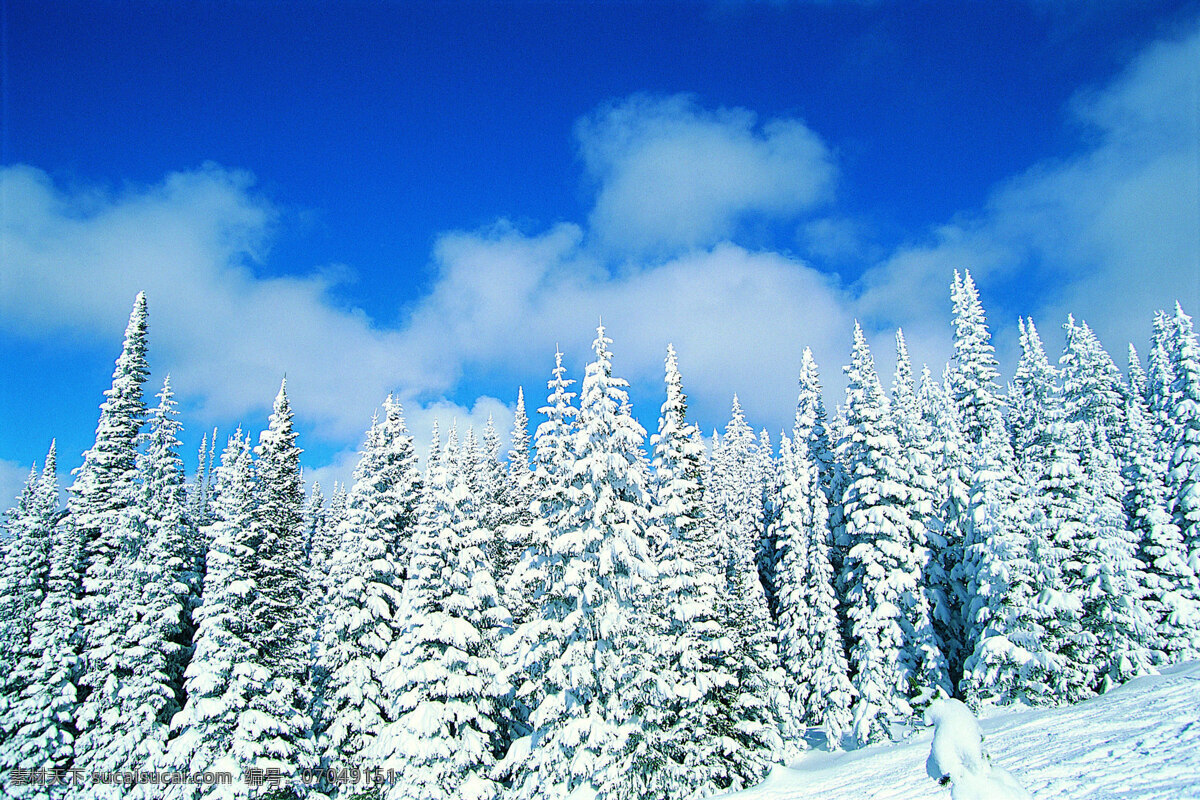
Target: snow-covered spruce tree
[(167, 574), (553, 460), (44, 715), (1183, 477), (1161, 391), (325, 536), (446, 683), (103, 509), (1010, 660), (362, 610), (1172, 592), (314, 519), (736, 507), (513, 534), (24, 583), (493, 498), (811, 426), (1112, 579), (276, 733), (200, 492), (587, 623), (770, 486), (881, 566), (737, 486), (923, 649), (944, 529), (699, 738), (992, 532), (810, 641), (223, 672)]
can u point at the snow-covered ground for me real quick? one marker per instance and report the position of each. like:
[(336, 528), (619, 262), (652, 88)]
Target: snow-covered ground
[(1141, 740)]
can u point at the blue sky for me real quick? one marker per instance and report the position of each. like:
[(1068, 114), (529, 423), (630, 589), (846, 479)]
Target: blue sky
[(426, 198)]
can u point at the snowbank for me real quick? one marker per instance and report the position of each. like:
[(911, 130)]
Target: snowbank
[(1141, 740)]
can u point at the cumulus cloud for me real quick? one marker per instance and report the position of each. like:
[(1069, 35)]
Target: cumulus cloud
[(1110, 233), (12, 480), (672, 175)]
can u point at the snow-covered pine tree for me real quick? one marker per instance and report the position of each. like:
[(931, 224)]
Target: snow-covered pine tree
[(363, 609), (513, 535), (314, 519), (24, 583), (553, 460), (737, 485), (103, 509), (736, 507), (1183, 477), (1011, 660), (923, 649), (1111, 577), (325, 536), (811, 426), (810, 640), (200, 493), (694, 736), (167, 575), (951, 499), (587, 622), (1172, 592), (993, 536), (45, 715), (1161, 393), (881, 566), (277, 731), (222, 674), (493, 499), (446, 683), (770, 485)]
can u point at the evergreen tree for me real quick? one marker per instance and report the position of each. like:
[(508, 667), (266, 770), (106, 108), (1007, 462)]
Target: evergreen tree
[(200, 495), (446, 681), (166, 572), (314, 520), (363, 612), (103, 508), (276, 734), (596, 566), (810, 641), (1183, 478), (1007, 616), (514, 535), (223, 673), (1161, 390), (1172, 596), (1111, 580), (736, 506), (944, 528), (994, 541), (553, 461), (924, 650), (881, 567), (25, 575), (44, 715), (811, 426)]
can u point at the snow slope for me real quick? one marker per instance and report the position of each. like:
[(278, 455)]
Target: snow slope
[(1141, 740)]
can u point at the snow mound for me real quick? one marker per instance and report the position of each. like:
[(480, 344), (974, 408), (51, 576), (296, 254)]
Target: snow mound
[(957, 756), (1140, 740)]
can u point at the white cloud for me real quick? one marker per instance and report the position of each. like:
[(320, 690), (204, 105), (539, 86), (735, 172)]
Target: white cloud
[(1110, 233), (12, 480), (672, 175)]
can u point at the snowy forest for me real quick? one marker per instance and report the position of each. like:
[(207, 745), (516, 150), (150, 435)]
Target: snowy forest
[(599, 612)]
